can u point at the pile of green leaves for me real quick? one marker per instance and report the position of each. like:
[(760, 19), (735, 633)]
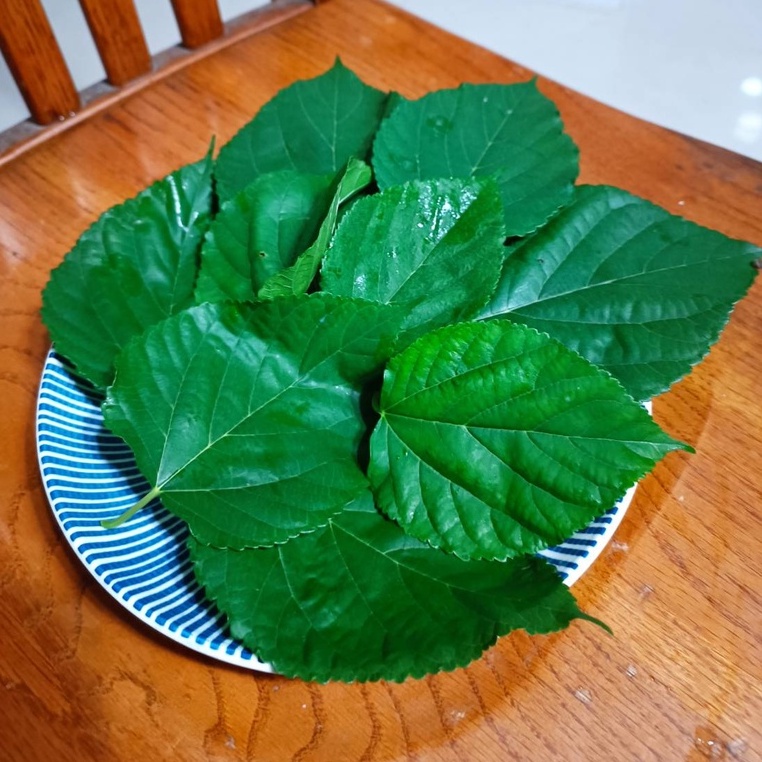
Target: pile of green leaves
[(378, 354)]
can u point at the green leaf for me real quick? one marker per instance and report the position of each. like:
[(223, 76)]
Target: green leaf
[(629, 286), (314, 126), (135, 266), (434, 248), (259, 232), (495, 440), (360, 600), (510, 132), (297, 278), (245, 418)]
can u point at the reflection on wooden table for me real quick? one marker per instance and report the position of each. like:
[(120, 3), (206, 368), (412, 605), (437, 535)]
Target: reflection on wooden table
[(679, 585)]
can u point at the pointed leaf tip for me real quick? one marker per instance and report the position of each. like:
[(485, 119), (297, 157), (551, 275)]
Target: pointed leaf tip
[(312, 126)]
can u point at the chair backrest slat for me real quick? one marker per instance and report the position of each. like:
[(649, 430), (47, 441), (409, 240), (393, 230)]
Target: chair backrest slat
[(28, 44), (199, 21), (117, 33), (35, 60)]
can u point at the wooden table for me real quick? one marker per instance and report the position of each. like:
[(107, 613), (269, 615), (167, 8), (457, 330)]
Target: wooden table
[(80, 679)]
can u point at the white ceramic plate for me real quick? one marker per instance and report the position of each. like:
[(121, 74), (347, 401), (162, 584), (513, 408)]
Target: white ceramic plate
[(90, 475)]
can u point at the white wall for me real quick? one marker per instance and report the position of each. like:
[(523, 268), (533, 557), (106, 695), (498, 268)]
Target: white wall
[(692, 65)]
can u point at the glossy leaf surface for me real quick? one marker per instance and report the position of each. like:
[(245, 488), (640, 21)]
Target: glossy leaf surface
[(510, 132), (495, 441), (245, 418), (297, 278), (632, 288), (135, 266), (259, 232), (360, 600), (434, 248), (314, 126)]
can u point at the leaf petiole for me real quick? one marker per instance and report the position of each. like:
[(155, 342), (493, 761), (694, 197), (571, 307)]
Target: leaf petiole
[(132, 510)]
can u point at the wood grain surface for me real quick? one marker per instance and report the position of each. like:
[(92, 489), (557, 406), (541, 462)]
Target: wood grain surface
[(80, 679)]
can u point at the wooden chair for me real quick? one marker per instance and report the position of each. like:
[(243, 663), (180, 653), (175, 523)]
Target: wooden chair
[(81, 680), (34, 57)]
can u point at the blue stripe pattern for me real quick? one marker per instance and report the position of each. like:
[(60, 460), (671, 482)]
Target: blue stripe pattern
[(90, 475)]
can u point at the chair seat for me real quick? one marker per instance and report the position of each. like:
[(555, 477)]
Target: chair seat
[(82, 681)]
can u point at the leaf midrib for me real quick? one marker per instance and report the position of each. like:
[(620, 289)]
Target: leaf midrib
[(390, 554), (528, 432), (441, 243), (301, 377), (540, 298)]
